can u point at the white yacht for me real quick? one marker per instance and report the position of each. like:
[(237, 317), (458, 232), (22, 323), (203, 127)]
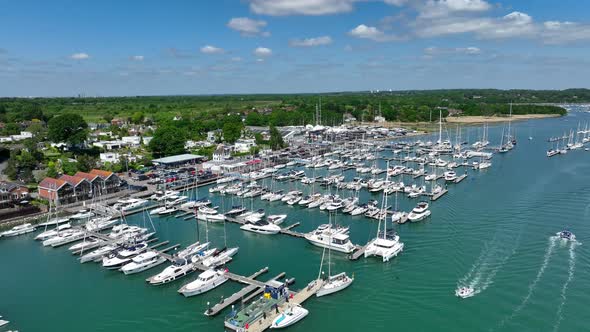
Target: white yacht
[(205, 282), (464, 292), (335, 284), (19, 230), (236, 210), (97, 254), (386, 246), (276, 219), (87, 244), (327, 236), (82, 214), (219, 257), (211, 217), (450, 176), (65, 237), (132, 203), (53, 222), (290, 316), (52, 232), (143, 262), (420, 212), (261, 227), (181, 267), (192, 250), (99, 224), (117, 259)]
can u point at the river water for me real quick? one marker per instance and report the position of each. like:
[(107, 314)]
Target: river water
[(494, 231)]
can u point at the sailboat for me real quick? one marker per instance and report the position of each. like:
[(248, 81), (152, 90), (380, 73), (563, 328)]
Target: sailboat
[(334, 283), (386, 244)]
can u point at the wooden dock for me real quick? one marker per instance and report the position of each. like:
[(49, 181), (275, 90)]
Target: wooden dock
[(460, 178), (439, 195), (360, 251)]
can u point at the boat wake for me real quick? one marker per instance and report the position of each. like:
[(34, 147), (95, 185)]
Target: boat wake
[(548, 253), (572, 266), (492, 258)]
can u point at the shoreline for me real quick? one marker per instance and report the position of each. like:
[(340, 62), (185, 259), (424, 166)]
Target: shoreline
[(488, 119)]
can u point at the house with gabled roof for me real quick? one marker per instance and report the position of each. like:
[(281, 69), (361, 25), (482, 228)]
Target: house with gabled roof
[(111, 181), (82, 187), (56, 190)]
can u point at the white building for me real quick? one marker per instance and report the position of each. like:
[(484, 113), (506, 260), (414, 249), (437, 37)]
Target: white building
[(111, 157), (131, 140), (221, 153), (244, 145)]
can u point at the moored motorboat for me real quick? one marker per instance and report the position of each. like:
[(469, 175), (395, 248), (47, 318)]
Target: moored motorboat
[(420, 212), (290, 316), (205, 282), (19, 230), (143, 262), (52, 232)]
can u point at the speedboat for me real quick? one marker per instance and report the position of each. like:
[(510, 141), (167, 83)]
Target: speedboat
[(276, 219), (143, 262), (464, 292), (335, 284), (117, 259), (206, 281), (181, 267), (292, 315), (52, 232), (261, 227), (420, 212), (566, 235), (19, 230)]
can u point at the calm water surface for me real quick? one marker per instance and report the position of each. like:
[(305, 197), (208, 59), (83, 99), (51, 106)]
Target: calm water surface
[(493, 231)]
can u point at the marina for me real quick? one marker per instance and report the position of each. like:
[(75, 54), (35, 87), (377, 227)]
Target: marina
[(454, 203)]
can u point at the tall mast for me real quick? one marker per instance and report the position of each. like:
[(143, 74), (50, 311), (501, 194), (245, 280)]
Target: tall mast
[(439, 126)]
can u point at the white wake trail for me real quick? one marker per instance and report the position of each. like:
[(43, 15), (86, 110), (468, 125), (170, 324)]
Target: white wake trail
[(533, 285), (572, 266)]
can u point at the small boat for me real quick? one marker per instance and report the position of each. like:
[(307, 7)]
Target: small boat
[(117, 259), (450, 176), (87, 244), (420, 212), (192, 250), (566, 235), (276, 219), (65, 237), (98, 253), (464, 292), (235, 210), (19, 230), (3, 322), (143, 262), (99, 224), (205, 282), (292, 315), (220, 258), (335, 284), (82, 214)]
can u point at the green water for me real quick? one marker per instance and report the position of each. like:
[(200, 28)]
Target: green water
[(493, 230)]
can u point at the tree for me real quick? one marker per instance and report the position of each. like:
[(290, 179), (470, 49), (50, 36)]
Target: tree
[(69, 128), (137, 117), (167, 140), (232, 131), (108, 117), (51, 170), (11, 128), (276, 139), (86, 163)]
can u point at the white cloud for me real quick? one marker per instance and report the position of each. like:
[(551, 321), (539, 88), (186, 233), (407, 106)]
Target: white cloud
[(311, 42), (208, 49), (555, 32), (439, 8), (372, 33), (301, 7), (137, 58), (262, 52), (247, 26), (79, 56), (433, 51)]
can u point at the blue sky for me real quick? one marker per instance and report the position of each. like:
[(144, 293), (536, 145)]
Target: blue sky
[(142, 47)]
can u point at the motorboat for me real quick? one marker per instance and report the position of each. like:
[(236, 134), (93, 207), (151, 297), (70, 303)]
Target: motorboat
[(205, 282), (116, 260), (450, 176), (276, 219), (120, 231), (167, 210), (142, 262), (19, 230), (294, 200), (420, 212), (52, 232), (99, 224), (334, 238), (362, 209), (65, 237), (335, 284), (277, 196), (261, 227), (219, 258), (211, 217), (290, 316), (236, 210), (181, 267), (464, 292), (133, 203), (399, 217), (566, 235)]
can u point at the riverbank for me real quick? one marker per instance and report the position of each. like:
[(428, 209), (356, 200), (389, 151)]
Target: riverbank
[(488, 119)]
